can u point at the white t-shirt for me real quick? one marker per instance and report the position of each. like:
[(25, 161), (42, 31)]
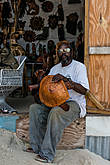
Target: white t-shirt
[(77, 72)]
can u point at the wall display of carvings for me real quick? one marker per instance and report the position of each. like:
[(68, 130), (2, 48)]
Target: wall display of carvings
[(33, 27), (37, 21)]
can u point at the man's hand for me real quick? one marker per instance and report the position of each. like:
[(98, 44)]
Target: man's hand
[(40, 74), (59, 77), (65, 107), (31, 87), (68, 85)]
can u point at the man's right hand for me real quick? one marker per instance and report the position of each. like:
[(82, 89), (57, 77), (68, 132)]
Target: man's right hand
[(40, 74), (31, 87)]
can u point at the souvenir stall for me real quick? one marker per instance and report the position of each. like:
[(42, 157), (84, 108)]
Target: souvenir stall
[(32, 28)]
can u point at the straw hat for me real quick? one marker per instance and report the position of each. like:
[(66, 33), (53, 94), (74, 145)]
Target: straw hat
[(52, 94)]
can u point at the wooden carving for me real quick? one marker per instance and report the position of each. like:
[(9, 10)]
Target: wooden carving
[(52, 94), (33, 7), (37, 23)]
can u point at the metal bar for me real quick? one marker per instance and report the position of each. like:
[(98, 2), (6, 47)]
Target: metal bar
[(99, 50)]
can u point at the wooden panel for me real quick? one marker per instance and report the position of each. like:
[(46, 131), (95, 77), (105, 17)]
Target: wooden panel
[(73, 135), (99, 23), (99, 78)]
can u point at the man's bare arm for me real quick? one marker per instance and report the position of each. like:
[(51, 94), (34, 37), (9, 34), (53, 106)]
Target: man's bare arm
[(75, 86)]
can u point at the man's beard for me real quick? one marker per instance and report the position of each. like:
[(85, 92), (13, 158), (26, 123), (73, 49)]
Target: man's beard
[(65, 59)]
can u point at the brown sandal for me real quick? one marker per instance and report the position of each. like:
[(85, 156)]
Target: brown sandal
[(42, 159), (29, 150)]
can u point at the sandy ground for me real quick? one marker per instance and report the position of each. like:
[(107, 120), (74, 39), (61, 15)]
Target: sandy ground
[(20, 104), (11, 148), (11, 153)]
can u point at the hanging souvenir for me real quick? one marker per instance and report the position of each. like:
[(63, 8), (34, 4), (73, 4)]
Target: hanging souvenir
[(12, 5), (47, 6), (40, 57), (29, 36), (1, 38), (71, 23), (34, 49), (6, 14), (53, 21), (60, 13), (44, 35), (74, 1), (21, 25), (80, 28), (0, 15), (61, 34), (51, 52), (6, 11), (41, 0), (22, 8), (51, 47), (17, 50), (27, 49), (33, 7), (37, 23)]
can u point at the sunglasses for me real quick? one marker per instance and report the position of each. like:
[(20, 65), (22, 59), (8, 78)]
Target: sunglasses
[(67, 50)]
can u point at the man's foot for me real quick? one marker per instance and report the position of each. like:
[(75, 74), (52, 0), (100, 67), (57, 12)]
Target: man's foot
[(42, 159), (29, 149)]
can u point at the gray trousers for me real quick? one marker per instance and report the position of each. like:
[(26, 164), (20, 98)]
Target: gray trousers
[(47, 125)]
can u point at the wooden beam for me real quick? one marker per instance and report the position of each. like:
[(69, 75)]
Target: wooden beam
[(98, 111), (94, 100), (86, 37)]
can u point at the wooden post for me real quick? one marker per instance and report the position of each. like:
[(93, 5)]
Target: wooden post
[(86, 55)]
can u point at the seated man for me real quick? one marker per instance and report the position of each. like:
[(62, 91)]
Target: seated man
[(47, 124)]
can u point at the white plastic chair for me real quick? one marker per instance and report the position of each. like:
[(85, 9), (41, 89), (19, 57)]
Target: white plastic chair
[(10, 79)]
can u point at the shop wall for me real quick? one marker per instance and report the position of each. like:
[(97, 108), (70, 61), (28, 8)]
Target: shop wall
[(53, 34)]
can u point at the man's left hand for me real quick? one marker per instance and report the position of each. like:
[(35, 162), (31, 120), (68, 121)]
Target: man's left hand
[(68, 85), (65, 107)]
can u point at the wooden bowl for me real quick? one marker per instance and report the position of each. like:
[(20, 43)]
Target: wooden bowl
[(52, 94)]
